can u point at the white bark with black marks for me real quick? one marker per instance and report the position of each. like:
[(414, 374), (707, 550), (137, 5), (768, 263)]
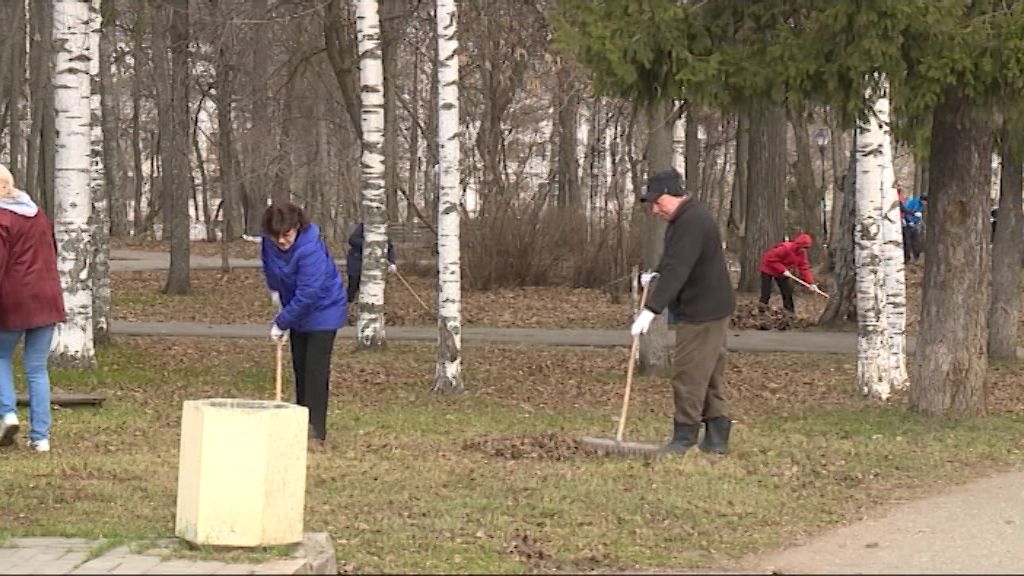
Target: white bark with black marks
[(371, 88), (100, 191), (878, 253), (72, 91), (448, 376)]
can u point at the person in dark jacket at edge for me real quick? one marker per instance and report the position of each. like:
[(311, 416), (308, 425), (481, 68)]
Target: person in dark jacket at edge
[(31, 305), (693, 284), (776, 264), (305, 285), (354, 261)]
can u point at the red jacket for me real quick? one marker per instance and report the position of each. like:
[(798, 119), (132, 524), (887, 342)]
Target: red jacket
[(787, 256), (30, 291)]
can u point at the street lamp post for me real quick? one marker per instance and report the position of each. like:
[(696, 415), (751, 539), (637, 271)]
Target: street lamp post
[(821, 139)]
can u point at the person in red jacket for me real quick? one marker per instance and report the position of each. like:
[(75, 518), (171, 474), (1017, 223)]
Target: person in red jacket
[(776, 265), (31, 304)]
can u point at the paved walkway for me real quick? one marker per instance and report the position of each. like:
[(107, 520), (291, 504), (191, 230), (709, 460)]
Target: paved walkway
[(144, 260), (972, 529), (315, 555), (738, 340)]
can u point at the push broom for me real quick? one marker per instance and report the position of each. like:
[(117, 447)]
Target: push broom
[(617, 446)]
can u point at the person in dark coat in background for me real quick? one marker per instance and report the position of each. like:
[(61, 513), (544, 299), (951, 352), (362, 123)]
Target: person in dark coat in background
[(31, 304), (776, 264), (354, 261), (304, 282), (693, 285)]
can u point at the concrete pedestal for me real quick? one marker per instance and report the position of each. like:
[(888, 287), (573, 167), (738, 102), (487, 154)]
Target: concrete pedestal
[(242, 472)]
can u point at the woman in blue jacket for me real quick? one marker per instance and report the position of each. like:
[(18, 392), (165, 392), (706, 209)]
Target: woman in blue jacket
[(304, 282)]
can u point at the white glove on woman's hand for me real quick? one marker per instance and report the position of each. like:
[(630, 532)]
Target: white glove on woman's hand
[(275, 298), (642, 323), (278, 335), (392, 268)]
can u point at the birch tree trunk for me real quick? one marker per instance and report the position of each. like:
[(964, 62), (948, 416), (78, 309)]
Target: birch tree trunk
[(72, 115), (448, 376), (1006, 260), (100, 190), (893, 267), (881, 294), (371, 83), (951, 361)]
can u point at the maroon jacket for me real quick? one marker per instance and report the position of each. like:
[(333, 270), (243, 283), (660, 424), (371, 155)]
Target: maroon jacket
[(30, 291)]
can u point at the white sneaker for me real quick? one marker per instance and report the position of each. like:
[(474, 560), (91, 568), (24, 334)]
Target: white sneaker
[(9, 429), (39, 445)]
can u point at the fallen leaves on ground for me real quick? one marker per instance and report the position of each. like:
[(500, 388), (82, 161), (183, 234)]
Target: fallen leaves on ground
[(241, 296), (544, 446), (755, 316)]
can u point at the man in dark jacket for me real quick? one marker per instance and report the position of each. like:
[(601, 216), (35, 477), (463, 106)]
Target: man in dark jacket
[(354, 260), (693, 284)]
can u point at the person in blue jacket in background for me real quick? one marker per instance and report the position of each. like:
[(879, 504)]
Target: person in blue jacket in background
[(305, 285), (912, 210)]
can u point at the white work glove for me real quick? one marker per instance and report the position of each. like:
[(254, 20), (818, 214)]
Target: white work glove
[(788, 274), (646, 277), (277, 335), (642, 323), (918, 214), (275, 298), (392, 268)]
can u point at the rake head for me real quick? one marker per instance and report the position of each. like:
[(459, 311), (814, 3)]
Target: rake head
[(612, 447)]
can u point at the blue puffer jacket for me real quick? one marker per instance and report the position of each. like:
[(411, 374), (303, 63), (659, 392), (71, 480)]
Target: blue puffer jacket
[(312, 295)]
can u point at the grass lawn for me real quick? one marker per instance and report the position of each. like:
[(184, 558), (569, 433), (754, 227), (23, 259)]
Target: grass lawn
[(492, 481)]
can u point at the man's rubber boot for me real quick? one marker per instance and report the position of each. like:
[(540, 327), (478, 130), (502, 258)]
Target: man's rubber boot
[(684, 437), (716, 435)]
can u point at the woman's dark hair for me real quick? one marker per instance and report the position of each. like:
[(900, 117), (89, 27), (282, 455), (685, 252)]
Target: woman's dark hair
[(280, 218)]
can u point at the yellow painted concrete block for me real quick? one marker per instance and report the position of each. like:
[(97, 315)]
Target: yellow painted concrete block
[(242, 472)]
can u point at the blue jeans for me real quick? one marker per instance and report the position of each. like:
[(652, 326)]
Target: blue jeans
[(37, 353)]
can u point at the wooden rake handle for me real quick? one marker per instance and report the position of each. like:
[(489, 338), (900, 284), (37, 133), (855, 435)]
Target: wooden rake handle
[(629, 373), (277, 371), (413, 292), (805, 284)]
